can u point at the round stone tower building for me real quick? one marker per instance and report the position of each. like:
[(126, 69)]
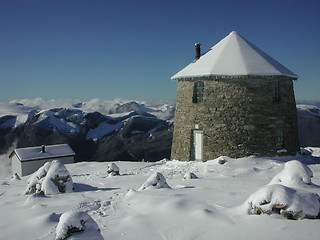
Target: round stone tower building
[(234, 101)]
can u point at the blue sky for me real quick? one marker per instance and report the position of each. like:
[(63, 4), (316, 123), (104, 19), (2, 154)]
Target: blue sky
[(88, 49)]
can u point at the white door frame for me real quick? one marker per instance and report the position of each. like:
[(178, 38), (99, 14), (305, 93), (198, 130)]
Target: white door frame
[(198, 144)]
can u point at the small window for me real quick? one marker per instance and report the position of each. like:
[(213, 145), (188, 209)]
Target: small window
[(198, 92), (279, 139), (275, 90)]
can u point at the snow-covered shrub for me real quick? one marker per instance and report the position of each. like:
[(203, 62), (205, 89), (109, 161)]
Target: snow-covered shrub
[(156, 181), (51, 178), (289, 202), (74, 222), (113, 169), (285, 195), (190, 175), (222, 160), (294, 173)]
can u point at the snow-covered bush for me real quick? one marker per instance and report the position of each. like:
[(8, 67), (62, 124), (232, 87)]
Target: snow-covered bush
[(294, 174), (190, 175), (51, 178), (285, 194), (289, 202), (156, 181), (72, 223), (222, 160), (113, 169)]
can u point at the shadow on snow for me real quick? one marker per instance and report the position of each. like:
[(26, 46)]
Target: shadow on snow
[(81, 187)]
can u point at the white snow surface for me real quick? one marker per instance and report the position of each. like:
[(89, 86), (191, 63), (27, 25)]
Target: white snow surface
[(211, 206), (234, 56)]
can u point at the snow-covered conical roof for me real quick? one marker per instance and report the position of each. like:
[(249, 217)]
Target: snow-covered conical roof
[(234, 56)]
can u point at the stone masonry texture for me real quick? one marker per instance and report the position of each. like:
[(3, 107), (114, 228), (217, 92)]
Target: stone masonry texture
[(239, 117)]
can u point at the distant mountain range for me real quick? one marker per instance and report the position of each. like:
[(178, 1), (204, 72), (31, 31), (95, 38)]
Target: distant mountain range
[(97, 130), (309, 125), (108, 130), (309, 102)]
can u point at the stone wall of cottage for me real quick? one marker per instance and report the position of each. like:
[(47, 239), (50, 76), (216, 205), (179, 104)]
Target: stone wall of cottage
[(238, 117)]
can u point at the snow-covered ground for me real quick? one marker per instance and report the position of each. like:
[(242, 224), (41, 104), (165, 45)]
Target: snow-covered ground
[(212, 206)]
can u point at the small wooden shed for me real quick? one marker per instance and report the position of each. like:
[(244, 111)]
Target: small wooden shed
[(28, 160)]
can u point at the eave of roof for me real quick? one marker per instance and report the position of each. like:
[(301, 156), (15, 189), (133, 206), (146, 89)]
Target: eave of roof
[(44, 158), (34, 153)]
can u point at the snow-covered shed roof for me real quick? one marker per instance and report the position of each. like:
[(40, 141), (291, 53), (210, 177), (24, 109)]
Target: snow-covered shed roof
[(233, 56), (43, 152)]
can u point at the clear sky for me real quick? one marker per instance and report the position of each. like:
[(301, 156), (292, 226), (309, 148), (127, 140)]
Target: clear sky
[(88, 49)]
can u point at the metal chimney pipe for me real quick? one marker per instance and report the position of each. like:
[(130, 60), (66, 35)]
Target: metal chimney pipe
[(43, 148), (198, 51)]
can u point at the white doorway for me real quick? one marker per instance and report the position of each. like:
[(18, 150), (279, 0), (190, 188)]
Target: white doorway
[(198, 144)]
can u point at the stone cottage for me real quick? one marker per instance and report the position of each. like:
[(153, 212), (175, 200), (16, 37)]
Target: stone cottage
[(235, 101)]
